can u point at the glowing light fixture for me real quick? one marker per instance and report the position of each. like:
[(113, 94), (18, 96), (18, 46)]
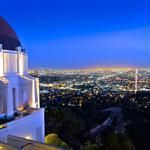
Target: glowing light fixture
[(28, 137)]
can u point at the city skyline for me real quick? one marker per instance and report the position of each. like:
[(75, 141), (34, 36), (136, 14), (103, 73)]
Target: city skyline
[(75, 75), (81, 34)]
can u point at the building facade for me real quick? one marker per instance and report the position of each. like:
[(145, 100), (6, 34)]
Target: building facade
[(20, 112)]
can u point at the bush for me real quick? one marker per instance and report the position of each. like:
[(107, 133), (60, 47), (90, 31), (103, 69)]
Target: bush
[(55, 140)]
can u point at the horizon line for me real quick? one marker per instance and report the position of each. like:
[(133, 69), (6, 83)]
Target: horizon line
[(93, 68)]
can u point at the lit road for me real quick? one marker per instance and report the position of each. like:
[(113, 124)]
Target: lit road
[(116, 112)]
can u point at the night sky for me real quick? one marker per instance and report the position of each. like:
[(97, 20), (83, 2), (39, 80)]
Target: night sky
[(82, 33)]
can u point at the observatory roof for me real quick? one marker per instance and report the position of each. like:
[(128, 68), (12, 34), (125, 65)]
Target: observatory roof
[(8, 37)]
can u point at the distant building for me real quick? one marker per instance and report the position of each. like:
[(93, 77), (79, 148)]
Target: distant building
[(20, 112)]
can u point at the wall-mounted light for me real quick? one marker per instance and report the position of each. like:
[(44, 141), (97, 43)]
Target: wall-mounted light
[(28, 137)]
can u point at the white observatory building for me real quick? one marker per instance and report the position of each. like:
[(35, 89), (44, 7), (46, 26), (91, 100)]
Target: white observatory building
[(20, 112)]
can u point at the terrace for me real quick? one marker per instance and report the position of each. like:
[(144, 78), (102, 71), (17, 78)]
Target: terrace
[(22, 112)]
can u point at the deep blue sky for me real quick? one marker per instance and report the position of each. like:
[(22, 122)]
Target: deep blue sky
[(82, 33)]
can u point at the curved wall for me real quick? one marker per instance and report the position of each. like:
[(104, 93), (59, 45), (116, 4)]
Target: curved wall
[(13, 62)]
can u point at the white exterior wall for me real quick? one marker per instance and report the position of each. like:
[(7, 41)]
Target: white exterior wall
[(10, 62), (14, 67), (31, 127), (22, 63), (3, 98), (14, 77), (13, 62), (27, 93), (35, 102)]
